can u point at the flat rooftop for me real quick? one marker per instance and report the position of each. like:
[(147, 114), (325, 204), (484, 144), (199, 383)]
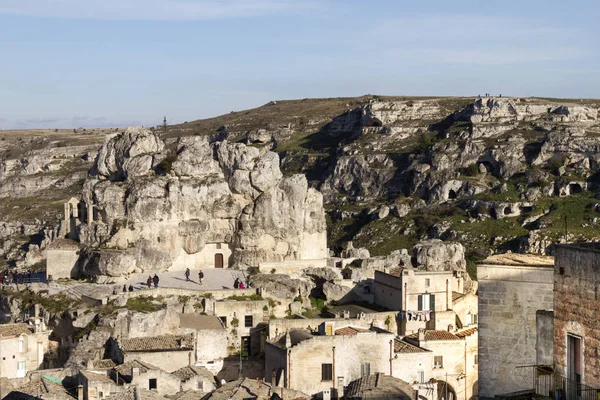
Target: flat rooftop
[(514, 259)]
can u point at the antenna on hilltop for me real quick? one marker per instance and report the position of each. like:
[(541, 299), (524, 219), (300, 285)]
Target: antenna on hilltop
[(165, 124)]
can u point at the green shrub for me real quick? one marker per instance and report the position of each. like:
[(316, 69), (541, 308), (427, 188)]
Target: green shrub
[(144, 304)]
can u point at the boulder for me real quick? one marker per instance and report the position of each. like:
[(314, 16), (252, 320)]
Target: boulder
[(435, 255)]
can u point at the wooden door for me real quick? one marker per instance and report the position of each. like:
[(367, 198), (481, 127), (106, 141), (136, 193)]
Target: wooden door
[(218, 260)]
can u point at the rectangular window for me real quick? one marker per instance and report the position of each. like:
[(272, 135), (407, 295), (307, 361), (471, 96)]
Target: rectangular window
[(21, 369), (427, 282), (365, 369), (326, 372), (476, 359), (438, 361), (474, 318), (152, 384), (21, 347), (248, 321), (421, 376), (426, 302), (218, 246), (224, 320)]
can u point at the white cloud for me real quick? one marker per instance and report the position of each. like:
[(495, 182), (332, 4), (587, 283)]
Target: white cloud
[(151, 9)]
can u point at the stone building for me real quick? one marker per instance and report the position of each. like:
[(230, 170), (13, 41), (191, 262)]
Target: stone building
[(455, 360), (147, 376), (327, 360), (22, 349), (426, 299), (512, 288), (171, 352), (577, 313), (244, 320), (195, 378), (210, 340), (62, 258)]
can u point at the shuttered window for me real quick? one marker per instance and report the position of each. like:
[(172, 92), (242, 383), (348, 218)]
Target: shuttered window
[(326, 372), (426, 302)]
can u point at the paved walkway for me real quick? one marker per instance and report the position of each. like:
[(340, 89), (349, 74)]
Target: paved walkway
[(214, 279)]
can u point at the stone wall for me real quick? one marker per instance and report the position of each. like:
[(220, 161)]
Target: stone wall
[(34, 347), (169, 361), (304, 360), (62, 263), (165, 382), (292, 267), (577, 309), (509, 297)]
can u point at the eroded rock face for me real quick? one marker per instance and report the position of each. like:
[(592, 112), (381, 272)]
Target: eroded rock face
[(435, 255), (174, 215)]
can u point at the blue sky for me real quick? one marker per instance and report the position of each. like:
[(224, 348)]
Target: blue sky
[(71, 63)]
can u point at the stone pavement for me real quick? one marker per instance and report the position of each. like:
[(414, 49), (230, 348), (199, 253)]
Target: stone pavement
[(214, 279)]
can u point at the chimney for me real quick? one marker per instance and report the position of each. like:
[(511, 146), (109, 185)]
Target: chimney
[(135, 372), (288, 340), (421, 335), (80, 392), (346, 314)]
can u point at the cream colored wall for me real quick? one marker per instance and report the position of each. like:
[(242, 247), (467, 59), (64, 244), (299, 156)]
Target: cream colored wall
[(350, 351), (166, 384), (211, 345), (61, 263), (314, 246), (240, 309), (205, 258), (167, 360), (407, 365), (416, 285), (9, 348)]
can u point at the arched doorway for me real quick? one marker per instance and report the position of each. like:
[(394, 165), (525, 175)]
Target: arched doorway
[(218, 260), (445, 391)]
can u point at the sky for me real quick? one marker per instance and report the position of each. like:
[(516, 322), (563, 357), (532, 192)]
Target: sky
[(96, 63)]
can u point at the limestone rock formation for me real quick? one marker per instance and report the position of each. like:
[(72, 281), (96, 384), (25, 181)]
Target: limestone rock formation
[(435, 255), (149, 209)]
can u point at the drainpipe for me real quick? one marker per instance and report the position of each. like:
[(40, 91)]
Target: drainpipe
[(447, 302), (391, 356), (333, 369), (405, 298)]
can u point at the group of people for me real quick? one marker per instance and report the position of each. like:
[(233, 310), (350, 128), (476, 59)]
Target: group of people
[(200, 275), (239, 284), (152, 280)]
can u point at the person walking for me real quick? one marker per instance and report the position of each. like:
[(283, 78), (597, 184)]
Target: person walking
[(242, 285), (187, 274), (155, 280), (130, 288), (124, 288), (200, 276), (149, 282), (236, 283)]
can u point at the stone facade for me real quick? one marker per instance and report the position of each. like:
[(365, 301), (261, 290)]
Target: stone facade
[(413, 291), (511, 290), (211, 340), (544, 342), (62, 258), (327, 361), (577, 313), (22, 349)]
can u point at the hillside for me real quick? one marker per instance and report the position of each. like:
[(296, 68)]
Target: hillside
[(494, 173)]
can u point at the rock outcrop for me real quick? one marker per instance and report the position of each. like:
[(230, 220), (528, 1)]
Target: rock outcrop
[(171, 211)]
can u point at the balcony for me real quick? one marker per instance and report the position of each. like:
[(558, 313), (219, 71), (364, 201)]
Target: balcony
[(551, 384)]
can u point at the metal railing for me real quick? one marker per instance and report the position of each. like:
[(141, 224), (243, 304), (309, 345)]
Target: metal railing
[(550, 383)]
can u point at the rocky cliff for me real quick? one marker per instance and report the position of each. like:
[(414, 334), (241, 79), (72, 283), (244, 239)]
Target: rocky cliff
[(496, 174)]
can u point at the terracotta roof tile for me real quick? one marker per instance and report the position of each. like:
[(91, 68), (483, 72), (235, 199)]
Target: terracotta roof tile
[(400, 346), (159, 343), (10, 330), (466, 332), (435, 335), (96, 377), (104, 364), (456, 296), (189, 372), (349, 330)]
